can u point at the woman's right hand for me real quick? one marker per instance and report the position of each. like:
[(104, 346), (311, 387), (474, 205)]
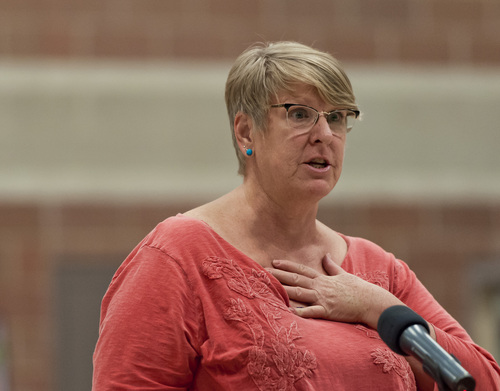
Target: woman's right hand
[(338, 296)]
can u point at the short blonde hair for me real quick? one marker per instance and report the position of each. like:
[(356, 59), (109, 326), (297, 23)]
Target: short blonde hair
[(265, 69)]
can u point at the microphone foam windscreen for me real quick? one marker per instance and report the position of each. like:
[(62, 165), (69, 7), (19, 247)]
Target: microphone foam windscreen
[(394, 321)]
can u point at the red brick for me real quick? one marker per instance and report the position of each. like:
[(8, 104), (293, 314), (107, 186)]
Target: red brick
[(350, 45), (77, 6), (395, 216), (348, 219), (424, 47), (460, 13), (88, 215), (486, 52), (475, 217), (55, 38), (123, 38), (388, 12), (295, 10), (197, 39), (218, 29), (224, 8), (442, 273), (18, 215)]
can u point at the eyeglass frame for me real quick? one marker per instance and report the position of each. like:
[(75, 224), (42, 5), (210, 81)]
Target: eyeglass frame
[(319, 113)]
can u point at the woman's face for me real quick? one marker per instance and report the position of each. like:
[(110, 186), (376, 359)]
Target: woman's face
[(293, 164)]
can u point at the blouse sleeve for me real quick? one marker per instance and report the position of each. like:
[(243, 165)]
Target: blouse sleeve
[(449, 334), (148, 331)]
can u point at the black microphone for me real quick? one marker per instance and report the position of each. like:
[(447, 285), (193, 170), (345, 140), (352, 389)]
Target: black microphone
[(407, 333)]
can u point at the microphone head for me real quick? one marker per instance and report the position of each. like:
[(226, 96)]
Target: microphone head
[(394, 321)]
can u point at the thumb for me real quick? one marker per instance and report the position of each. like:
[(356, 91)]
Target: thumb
[(331, 268)]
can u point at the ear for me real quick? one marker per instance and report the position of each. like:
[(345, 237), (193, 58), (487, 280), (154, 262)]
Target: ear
[(243, 130)]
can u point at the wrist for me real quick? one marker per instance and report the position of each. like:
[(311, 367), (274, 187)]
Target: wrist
[(380, 301)]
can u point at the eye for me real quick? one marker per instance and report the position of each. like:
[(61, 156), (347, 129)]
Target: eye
[(299, 114), (335, 117)]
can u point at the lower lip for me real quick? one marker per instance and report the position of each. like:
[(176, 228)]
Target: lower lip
[(320, 169)]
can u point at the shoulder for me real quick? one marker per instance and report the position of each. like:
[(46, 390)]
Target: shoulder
[(373, 263), (179, 230), (365, 255), (361, 247), (175, 244), (160, 243)]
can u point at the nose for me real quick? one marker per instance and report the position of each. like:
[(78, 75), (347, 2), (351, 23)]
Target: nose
[(321, 131)]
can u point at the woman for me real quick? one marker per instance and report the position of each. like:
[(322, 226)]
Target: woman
[(250, 291)]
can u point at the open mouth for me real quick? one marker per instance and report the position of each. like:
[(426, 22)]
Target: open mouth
[(318, 163)]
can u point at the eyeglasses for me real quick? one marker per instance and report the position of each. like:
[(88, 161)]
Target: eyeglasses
[(303, 118)]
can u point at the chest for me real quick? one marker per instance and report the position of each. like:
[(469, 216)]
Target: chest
[(252, 338)]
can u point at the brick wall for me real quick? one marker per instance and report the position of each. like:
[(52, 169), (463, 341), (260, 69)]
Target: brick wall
[(441, 241), (408, 31)]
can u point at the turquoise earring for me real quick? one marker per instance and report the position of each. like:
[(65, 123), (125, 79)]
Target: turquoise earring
[(248, 151)]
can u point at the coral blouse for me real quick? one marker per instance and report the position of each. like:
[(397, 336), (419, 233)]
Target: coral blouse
[(188, 311)]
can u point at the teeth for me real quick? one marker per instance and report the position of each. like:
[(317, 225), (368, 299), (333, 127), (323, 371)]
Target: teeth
[(318, 163)]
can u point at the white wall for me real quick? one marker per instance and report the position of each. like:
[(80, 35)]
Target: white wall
[(159, 131)]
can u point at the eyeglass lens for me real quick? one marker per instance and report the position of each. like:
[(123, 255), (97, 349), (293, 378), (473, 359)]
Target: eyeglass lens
[(303, 118)]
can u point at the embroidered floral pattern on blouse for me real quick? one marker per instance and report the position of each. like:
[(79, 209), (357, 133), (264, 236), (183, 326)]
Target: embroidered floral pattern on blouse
[(377, 277), (370, 333), (252, 287), (393, 362), (389, 360), (291, 363)]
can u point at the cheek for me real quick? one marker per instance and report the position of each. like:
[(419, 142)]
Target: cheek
[(283, 161), (341, 155), (338, 151), (286, 149)]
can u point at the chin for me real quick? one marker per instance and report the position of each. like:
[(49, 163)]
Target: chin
[(320, 190)]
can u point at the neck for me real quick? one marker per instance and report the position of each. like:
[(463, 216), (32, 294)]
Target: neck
[(265, 229), (285, 223)]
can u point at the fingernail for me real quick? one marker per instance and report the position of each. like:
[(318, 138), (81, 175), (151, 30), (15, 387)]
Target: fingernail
[(276, 262)]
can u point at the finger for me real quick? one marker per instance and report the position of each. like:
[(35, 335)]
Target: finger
[(296, 304), (331, 268), (292, 279), (314, 311), (306, 296), (295, 267)]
